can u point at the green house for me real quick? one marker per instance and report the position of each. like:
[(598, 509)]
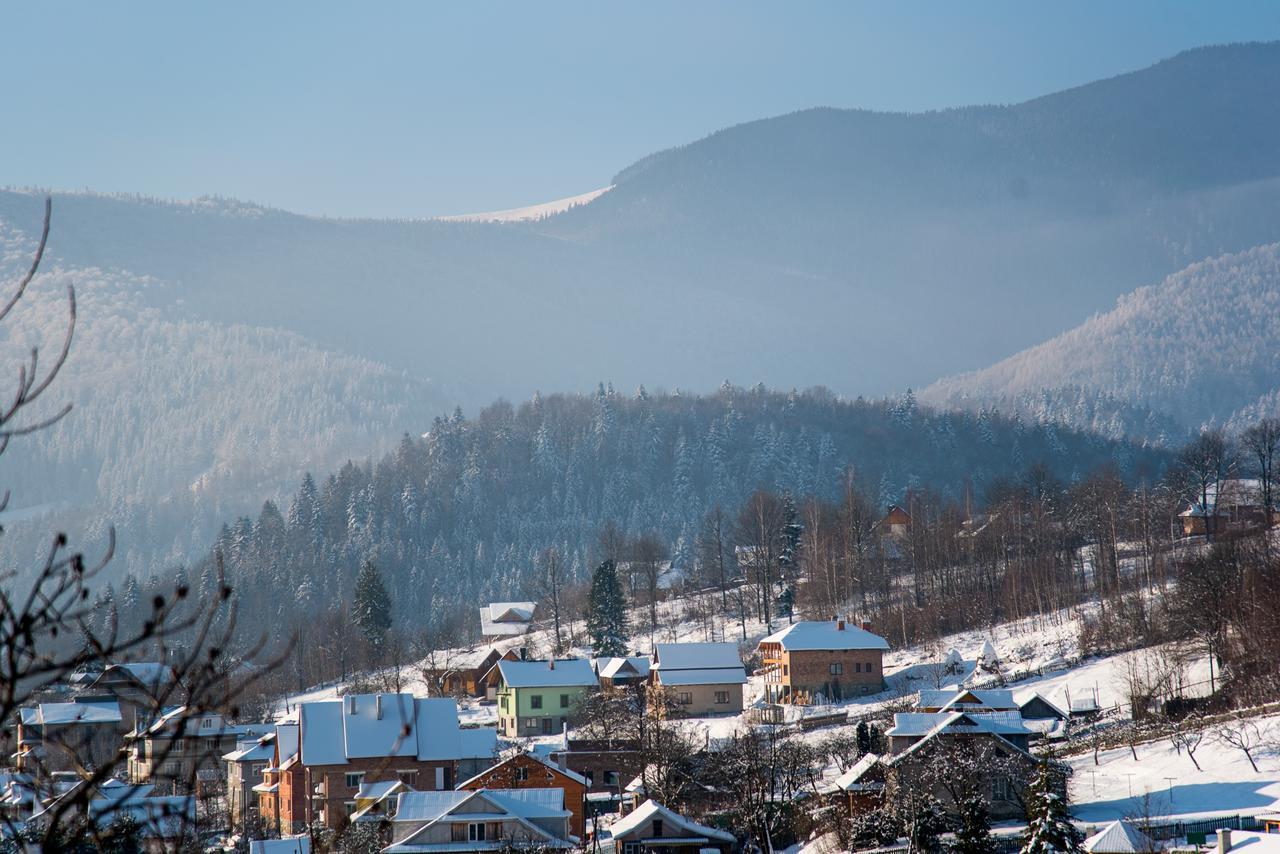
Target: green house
[(537, 697)]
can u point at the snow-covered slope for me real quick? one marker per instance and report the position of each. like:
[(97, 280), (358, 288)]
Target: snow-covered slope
[(530, 213)]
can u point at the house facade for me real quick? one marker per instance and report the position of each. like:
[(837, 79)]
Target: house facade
[(480, 820), (344, 745), (180, 752), (651, 827), (538, 697), (833, 659), (527, 771), (52, 737), (605, 765), (462, 674), (700, 678), (499, 620)]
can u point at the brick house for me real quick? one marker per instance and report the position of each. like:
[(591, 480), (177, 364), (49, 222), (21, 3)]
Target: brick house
[(701, 678), (344, 744), (651, 827), (606, 766), (527, 771), (831, 659), (538, 697)]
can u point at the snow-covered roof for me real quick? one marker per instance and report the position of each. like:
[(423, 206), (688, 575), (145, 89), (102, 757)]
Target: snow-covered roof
[(524, 805), (1251, 842), (851, 780), (151, 674), (360, 726), (1119, 837), (1023, 698), (378, 790), (995, 699), (541, 759), (285, 845), (710, 676), (651, 809), (923, 723), (83, 711), (257, 750), (633, 667), (567, 673), (498, 619), (694, 656), (812, 635)]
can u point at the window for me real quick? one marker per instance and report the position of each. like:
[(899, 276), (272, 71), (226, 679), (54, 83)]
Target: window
[(350, 807), (409, 778), (546, 726), (475, 832), (722, 697), (657, 827), (256, 771), (591, 778), (530, 723), (786, 669), (354, 779), (178, 745), (1002, 789), (564, 701), (440, 780), (871, 667), (535, 702), (686, 698), (631, 848), (206, 723), (522, 774), (611, 778), (835, 668)]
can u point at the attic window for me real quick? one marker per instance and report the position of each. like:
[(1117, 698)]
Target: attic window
[(657, 827)]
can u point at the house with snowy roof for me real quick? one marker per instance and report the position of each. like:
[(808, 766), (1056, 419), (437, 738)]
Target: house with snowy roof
[(991, 746), (63, 736), (342, 745), (499, 620), (1121, 837), (966, 700), (1234, 504), (162, 820), (538, 697), (623, 671), (141, 687), (245, 767), (862, 784), (655, 828), (460, 673), (532, 771), (701, 678), (828, 659), (480, 820), (182, 750)]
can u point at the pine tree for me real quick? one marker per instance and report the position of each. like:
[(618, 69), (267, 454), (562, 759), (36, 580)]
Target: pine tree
[(371, 605), (1049, 827), (973, 836), (863, 736), (607, 612)]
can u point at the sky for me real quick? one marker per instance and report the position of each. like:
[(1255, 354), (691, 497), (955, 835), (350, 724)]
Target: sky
[(427, 109)]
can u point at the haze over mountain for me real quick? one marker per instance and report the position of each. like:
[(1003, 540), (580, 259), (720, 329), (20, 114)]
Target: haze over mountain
[(1200, 346), (863, 251)]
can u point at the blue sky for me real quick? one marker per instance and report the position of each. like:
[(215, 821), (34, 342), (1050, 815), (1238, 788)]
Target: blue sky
[(421, 109)]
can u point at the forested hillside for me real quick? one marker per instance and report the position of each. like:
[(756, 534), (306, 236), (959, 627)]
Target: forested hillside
[(458, 517), (1199, 346)]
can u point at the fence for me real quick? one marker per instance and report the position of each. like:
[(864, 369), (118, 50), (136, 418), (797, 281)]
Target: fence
[(1208, 826)]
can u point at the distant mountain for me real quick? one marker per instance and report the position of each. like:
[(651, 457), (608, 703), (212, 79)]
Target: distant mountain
[(861, 251), (1200, 346)]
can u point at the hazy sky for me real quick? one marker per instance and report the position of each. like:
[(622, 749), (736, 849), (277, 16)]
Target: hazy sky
[(421, 109)]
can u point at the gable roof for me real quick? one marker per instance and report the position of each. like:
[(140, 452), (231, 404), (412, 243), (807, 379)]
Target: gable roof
[(951, 698), (284, 845), (1026, 698), (695, 656), (651, 809), (567, 673), (632, 667), (97, 710), (924, 723), (812, 635), (1119, 837), (853, 780), (539, 759), (712, 676), (362, 726), (523, 805), (149, 674), (504, 619)]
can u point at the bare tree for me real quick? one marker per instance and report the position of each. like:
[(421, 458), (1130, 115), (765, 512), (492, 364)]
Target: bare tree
[(52, 624), (1188, 739), (649, 558), (1202, 468), (549, 583), (1262, 442), (1243, 736)]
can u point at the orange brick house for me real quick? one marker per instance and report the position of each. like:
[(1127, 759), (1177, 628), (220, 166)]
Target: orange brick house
[(828, 659), (526, 771)]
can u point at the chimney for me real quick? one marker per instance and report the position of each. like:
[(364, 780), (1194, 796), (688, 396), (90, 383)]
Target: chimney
[(378, 706), (351, 704), (1224, 840), (866, 625), (840, 624), (551, 665)]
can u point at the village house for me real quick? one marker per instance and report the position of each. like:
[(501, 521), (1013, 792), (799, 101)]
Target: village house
[(701, 678), (245, 767), (862, 785), (896, 522), (829, 659), (999, 739), (538, 697), (480, 820), (141, 687), (162, 821), (1236, 506), (966, 700), (651, 827), (460, 673), (181, 752), (53, 737), (343, 744), (500, 620), (622, 672), (1121, 837), (606, 765), (528, 771)]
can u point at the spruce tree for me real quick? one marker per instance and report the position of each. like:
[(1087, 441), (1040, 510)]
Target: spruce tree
[(973, 835), (1049, 827), (607, 612), (371, 604)]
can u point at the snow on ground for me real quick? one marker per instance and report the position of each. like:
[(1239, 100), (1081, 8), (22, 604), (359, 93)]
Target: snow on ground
[(531, 212), (1165, 782)]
